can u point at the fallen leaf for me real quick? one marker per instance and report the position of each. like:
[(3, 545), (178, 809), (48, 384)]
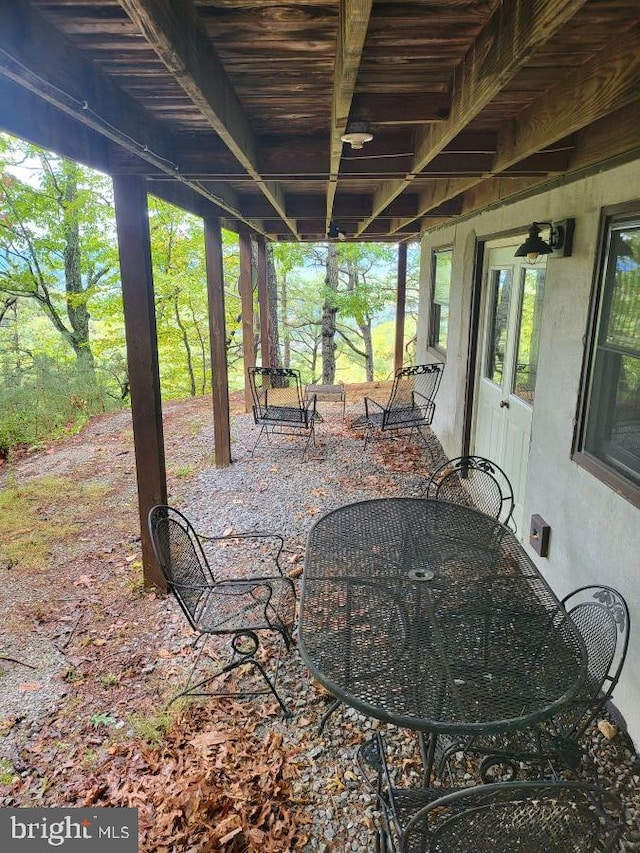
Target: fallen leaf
[(605, 728), (206, 740), (29, 686), (226, 838)]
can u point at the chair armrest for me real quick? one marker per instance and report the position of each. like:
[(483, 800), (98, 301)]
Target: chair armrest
[(310, 407), (370, 400), (228, 586), (427, 401)]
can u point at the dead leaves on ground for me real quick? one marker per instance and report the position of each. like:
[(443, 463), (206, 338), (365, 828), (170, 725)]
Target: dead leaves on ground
[(221, 780)]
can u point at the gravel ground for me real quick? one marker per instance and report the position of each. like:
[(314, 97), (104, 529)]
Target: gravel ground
[(275, 490), (272, 490)]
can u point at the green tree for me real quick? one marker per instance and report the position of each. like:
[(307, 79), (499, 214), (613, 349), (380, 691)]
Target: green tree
[(56, 242), (181, 299), (367, 288)]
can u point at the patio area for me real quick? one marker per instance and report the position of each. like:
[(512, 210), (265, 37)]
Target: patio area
[(229, 775)]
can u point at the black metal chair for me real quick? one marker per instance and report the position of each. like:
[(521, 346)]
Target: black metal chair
[(410, 406), (279, 404), (196, 569), (476, 482), (602, 617), (504, 817)]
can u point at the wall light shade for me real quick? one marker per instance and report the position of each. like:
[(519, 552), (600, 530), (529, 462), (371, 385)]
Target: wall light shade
[(357, 133), (560, 241)]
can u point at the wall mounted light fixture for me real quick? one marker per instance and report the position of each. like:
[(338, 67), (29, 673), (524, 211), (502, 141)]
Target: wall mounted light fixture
[(335, 232), (357, 133), (560, 240)]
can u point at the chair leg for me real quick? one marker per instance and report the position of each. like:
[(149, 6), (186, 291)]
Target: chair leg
[(311, 435), (245, 657), (328, 713), (426, 442), (367, 435), (262, 429), (427, 753)]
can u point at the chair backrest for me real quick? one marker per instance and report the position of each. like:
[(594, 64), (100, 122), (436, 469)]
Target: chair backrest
[(518, 817), (476, 482), (180, 557), (421, 378), (276, 388), (602, 617)]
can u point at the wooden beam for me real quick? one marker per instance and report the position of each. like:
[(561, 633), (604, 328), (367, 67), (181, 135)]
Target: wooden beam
[(217, 342), (66, 80), (401, 295), (597, 142), (182, 196), (514, 33), (353, 23), (174, 31), (42, 124), (134, 244), (438, 192), (608, 82), (245, 286), (594, 147)]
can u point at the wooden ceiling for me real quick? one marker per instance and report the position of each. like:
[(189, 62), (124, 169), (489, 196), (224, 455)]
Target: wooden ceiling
[(237, 106)]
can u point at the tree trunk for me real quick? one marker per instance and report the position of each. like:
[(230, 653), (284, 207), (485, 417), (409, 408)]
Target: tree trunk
[(272, 297), (187, 346), (76, 294), (363, 321), (329, 311), (365, 331), (284, 308)]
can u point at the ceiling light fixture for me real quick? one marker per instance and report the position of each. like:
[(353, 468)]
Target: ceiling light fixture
[(357, 133), (560, 241)]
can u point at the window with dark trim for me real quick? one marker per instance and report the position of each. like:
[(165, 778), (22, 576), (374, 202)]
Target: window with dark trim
[(440, 290), (610, 419)]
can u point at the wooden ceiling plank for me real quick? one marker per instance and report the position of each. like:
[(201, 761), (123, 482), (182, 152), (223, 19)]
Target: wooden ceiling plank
[(174, 31), (76, 87), (591, 144), (607, 83), (514, 32), (389, 109), (353, 24)]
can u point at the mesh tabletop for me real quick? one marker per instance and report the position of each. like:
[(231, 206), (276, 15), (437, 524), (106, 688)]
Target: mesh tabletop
[(430, 615)]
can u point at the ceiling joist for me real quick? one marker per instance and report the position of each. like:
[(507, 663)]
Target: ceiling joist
[(174, 31), (236, 109), (353, 22), (513, 33), (76, 88)]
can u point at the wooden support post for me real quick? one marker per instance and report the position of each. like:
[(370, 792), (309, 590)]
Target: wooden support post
[(400, 306), (134, 245), (246, 302), (217, 341), (263, 301)]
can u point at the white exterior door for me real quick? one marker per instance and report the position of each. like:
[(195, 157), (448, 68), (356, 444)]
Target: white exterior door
[(513, 291)]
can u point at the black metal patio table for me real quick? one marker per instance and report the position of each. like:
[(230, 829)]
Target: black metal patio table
[(429, 615)]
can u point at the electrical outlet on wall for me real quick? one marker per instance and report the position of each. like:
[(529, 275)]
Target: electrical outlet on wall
[(539, 533)]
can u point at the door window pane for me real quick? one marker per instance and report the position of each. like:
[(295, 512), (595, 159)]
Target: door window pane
[(530, 322), (441, 287), (612, 431), (500, 295)]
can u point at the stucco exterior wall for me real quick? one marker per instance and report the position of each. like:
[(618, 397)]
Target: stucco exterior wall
[(595, 533)]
